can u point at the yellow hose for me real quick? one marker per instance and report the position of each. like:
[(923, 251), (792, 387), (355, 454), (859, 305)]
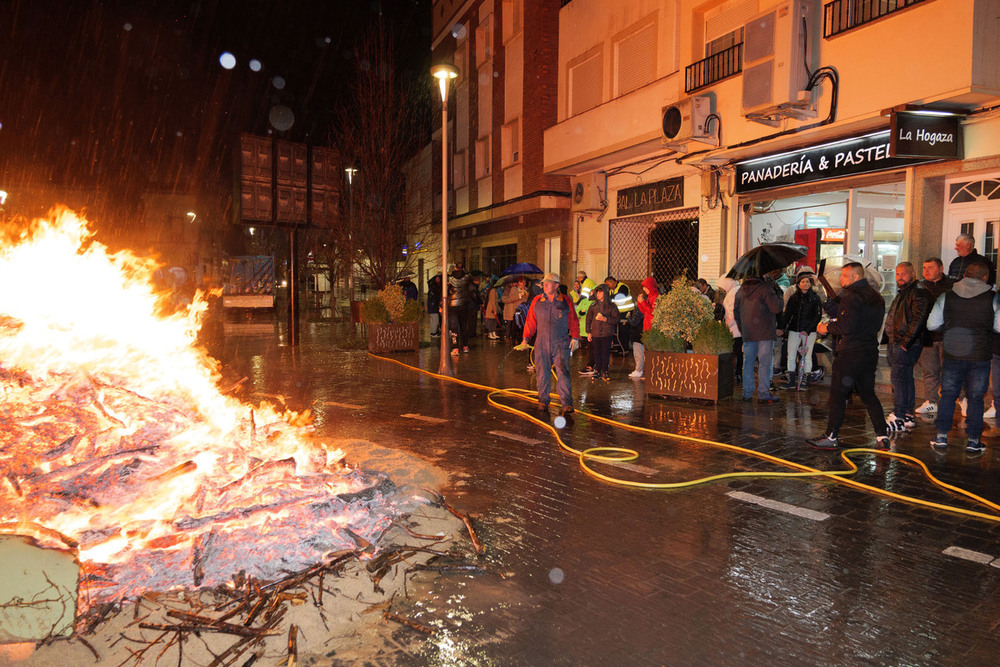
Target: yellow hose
[(622, 455)]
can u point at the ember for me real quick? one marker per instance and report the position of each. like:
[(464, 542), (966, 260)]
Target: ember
[(115, 436)]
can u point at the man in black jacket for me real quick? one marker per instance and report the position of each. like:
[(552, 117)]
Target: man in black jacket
[(937, 283), (968, 316), (858, 320), (965, 246), (904, 328)]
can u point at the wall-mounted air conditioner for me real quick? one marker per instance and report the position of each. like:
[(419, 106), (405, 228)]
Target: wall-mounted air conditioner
[(687, 121), (776, 50), (587, 193)]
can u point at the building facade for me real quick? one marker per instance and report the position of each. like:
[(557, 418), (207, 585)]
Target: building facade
[(693, 131), (503, 208)]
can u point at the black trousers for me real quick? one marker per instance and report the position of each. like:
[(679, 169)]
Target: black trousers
[(855, 369), (602, 353)]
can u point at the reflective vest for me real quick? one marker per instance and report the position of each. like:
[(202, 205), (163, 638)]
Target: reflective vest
[(624, 302)]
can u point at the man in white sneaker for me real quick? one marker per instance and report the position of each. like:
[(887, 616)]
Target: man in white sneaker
[(904, 328), (967, 315), (937, 283)]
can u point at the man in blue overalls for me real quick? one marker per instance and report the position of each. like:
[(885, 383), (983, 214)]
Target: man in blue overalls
[(553, 318)]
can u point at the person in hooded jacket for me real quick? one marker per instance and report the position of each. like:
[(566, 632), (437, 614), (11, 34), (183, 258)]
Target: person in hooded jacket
[(645, 302), (756, 311), (602, 322), (968, 316), (803, 311)]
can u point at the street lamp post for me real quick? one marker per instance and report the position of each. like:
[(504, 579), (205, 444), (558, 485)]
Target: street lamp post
[(444, 73), (350, 241)]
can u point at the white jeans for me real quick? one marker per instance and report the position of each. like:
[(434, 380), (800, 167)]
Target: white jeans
[(639, 352), (796, 339)]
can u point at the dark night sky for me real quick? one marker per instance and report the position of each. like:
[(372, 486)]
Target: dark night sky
[(126, 96)]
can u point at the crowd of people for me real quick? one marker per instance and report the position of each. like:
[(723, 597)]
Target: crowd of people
[(942, 327), (945, 326)]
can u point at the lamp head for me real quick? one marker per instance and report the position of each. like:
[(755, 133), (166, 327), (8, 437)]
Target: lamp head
[(444, 73)]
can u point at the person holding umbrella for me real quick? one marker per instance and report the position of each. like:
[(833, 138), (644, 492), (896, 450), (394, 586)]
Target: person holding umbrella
[(756, 311)]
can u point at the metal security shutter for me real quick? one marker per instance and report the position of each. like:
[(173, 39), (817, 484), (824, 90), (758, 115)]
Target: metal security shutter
[(636, 60), (663, 245), (585, 85)]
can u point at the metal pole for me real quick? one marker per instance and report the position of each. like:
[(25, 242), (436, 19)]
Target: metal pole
[(293, 281), (444, 367)]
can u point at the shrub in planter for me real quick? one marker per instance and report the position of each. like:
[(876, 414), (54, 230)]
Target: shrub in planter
[(680, 312), (655, 340), (713, 338), (390, 305)]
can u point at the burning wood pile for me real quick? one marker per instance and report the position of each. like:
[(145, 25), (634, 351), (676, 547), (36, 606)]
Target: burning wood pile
[(115, 440)]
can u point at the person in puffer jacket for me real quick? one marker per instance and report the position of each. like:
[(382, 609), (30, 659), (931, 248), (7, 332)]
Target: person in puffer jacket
[(645, 303), (602, 322), (803, 312)]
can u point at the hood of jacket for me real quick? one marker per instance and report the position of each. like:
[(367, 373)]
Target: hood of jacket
[(726, 284), (969, 287), (649, 283), (600, 288)]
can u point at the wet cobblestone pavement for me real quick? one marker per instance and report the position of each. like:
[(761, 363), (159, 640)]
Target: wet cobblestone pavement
[(749, 571)]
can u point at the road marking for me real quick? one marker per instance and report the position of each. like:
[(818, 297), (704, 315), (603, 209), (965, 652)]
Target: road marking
[(516, 437), (349, 406), (424, 418), (642, 470), (969, 554), (779, 506)]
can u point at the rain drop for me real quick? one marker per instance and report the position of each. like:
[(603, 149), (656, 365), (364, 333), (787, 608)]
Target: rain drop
[(227, 60), (556, 575), (458, 31), (278, 82), (559, 422), (255, 65), (281, 118), (127, 27)]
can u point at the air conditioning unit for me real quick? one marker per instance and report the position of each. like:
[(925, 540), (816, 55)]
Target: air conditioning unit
[(587, 193), (685, 122), (777, 47)]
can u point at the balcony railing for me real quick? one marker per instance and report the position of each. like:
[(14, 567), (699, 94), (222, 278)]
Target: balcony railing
[(843, 15), (714, 68)]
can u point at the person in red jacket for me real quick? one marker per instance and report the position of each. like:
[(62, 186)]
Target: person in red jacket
[(645, 303), (552, 317)]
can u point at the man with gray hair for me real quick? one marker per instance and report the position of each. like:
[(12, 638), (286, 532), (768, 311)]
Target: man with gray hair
[(965, 246)]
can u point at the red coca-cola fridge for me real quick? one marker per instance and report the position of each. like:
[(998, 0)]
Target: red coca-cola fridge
[(822, 242)]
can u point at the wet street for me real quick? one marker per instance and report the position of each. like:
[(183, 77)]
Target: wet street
[(754, 570)]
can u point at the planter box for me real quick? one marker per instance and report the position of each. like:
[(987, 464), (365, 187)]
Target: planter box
[(393, 337), (706, 377)]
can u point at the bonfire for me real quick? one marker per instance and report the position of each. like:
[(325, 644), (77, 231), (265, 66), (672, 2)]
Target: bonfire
[(116, 441)]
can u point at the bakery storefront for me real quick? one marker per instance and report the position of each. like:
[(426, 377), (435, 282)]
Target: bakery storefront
[(846, 196)]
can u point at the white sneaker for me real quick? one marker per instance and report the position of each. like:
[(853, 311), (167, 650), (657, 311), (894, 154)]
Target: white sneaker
[(635, 374), (927, 408), (964, 404), (991, 413)]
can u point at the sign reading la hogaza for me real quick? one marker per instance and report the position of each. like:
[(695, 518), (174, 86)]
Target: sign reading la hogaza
[(847, 157), (651, 197)]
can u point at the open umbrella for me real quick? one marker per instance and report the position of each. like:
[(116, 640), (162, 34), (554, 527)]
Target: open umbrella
[(760, 261), (522, 268), (829, 273)]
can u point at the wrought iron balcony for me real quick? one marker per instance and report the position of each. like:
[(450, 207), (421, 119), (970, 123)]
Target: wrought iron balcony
[(714, 68), (843, 15)]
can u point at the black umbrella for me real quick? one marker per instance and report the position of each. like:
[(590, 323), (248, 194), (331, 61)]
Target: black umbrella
[(767, 257)]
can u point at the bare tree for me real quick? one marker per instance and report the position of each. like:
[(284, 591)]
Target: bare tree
[(382, 124)]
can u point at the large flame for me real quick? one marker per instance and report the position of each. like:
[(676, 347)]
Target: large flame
[(115, 433)]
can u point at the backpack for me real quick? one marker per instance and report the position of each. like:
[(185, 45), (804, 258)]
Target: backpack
[(521, 315)]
